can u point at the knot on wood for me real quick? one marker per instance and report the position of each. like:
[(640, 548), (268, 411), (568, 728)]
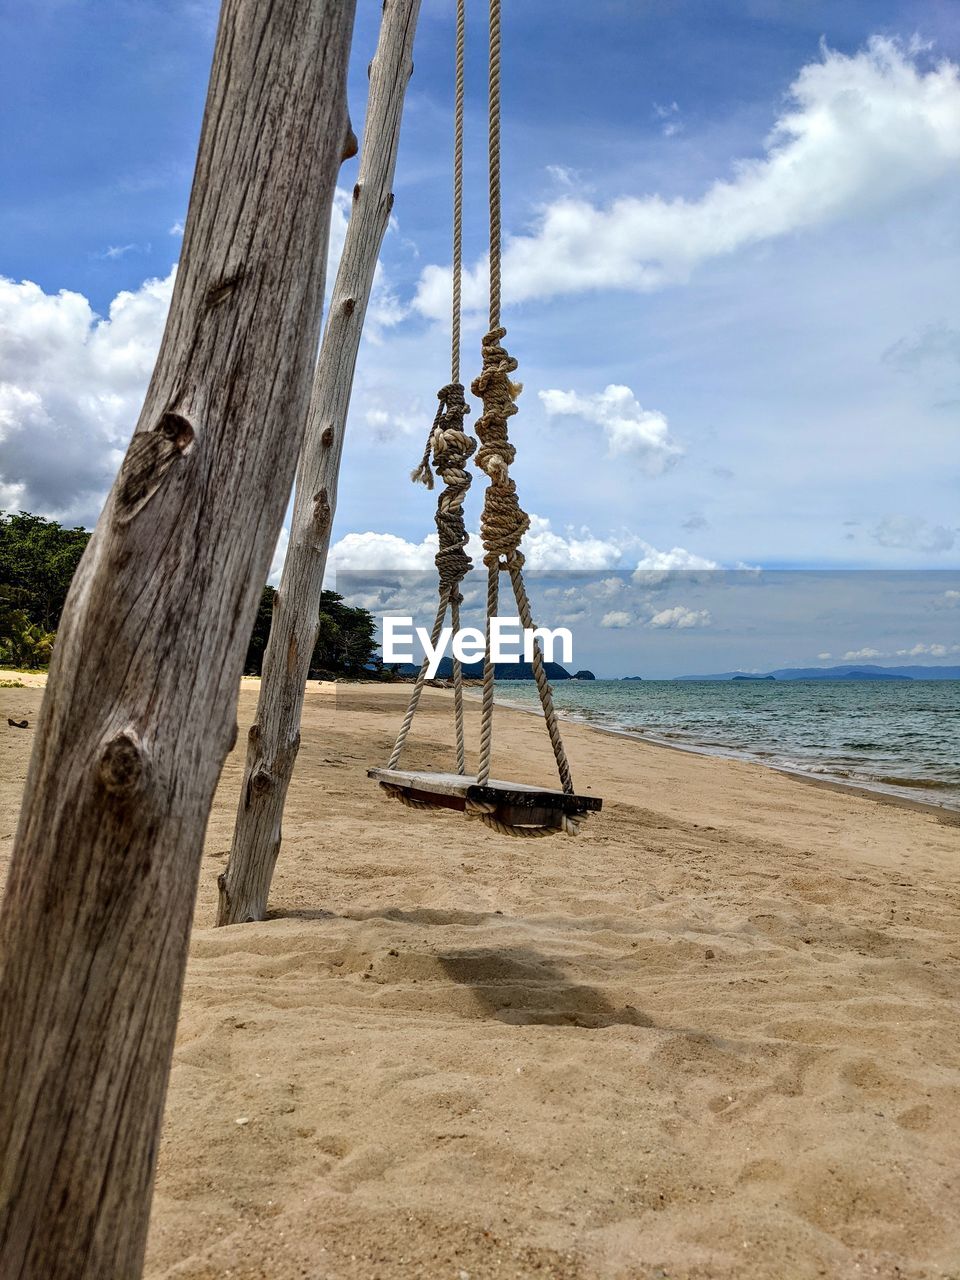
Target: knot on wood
[(123, 764), (321, 513), (348, 306), (350, 144), (177, 429), (149, 457), (222, 290), (327, 438), (261, 782)]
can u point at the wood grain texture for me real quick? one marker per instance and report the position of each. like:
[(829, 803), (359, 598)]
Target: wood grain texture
[(140, 706), (275, 737)]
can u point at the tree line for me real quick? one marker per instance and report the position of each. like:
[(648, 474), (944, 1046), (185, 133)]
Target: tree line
[(38, 558)]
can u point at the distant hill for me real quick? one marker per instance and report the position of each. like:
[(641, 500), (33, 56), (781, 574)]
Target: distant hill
[(840, 673)]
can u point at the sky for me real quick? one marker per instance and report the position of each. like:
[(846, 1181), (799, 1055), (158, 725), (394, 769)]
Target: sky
[(731, 267), (661, 624)]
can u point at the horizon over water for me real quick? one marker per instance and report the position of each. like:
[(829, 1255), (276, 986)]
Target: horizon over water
[(899, 737)]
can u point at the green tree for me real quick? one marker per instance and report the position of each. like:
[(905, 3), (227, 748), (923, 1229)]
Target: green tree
[(38, 558), (345, 642), (345, 639), (260, 634)]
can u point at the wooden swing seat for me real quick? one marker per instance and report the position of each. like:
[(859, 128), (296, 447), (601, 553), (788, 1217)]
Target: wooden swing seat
[(517, 803)]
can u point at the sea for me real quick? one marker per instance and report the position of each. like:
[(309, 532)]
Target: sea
[(901, 737)]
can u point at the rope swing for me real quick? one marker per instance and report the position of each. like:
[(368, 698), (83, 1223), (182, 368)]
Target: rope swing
[(514, 809)]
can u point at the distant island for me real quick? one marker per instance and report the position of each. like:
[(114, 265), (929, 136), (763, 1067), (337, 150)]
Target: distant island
[(556, 672), (838, 673)]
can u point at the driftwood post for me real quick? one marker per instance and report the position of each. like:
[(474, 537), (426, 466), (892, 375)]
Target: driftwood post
[(140, 705), (275, 736)]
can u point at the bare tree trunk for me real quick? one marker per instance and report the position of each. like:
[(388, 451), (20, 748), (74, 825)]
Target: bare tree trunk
[(275, 737), (141, 699)]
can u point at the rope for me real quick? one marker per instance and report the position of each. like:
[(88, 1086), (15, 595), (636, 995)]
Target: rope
[(417, 688), (484, 811), (543, 683), (458, 192), (503, 522), (451, 449), (458, 690), (486, 708), (494, 155)]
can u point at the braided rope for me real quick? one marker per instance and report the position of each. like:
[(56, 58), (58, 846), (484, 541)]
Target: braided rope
[(417, 688), (398, 793), (458, 192), (485, 811), (494, 158), (458, 691), (503, 522), (451, 448), (486, 707), (543, 683)]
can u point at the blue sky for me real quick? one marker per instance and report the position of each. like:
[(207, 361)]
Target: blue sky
[(732, 266)]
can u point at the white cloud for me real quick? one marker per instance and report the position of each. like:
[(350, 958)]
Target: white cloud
[(384, 309), (629, 429), (931, 650), (563, 175), (681, 617), (605, 589), (72, 382), (176, 229), (279, 555), (912, 533), (576, 549), (543, 548), (654, 561), (824, 656), (71, 388), (669, 115), (951, 599), (858, 133), (115, 251), (855, 655), (616, 619), (362, 552)]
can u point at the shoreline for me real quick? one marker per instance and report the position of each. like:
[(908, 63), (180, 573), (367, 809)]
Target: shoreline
[(947, 814)]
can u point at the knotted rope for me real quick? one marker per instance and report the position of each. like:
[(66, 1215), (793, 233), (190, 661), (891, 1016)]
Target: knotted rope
[(504, 522), (451, 449)]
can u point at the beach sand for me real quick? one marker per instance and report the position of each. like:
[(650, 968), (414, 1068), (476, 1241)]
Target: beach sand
[(716, 1036)]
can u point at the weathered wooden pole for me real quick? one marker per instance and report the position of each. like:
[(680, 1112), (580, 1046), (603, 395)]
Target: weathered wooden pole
[(275, 736), (140, 705)]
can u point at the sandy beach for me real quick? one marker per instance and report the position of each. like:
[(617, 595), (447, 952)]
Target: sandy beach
[(717, 1036)]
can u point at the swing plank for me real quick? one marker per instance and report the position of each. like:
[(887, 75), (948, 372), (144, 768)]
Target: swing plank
[(517, 801)]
